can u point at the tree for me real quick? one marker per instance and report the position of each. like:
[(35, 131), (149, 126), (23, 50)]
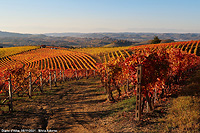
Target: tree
[(43, 46), (156, 40)]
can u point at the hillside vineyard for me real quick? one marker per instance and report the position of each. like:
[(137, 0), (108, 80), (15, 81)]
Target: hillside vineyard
[(46, 58), (106, 54), (163, 66)]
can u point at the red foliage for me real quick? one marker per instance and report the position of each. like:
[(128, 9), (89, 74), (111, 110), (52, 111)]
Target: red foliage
[(160, 66)]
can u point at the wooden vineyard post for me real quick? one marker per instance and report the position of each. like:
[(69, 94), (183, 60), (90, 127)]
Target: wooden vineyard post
[(63, 76), (109, 91), (86, 73), (148, 108), (10, 94), (155, 96), (138, 93), (60, 76), (105, 83), (41, 85), (30, 85), (127, 85), (55, 80), (76, 75), (50, 80), (125, 89), (94, 73)]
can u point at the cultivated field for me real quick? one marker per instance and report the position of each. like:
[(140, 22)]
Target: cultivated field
[(153, 79)]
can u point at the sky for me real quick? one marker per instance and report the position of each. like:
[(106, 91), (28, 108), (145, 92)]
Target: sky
[(86, 16)]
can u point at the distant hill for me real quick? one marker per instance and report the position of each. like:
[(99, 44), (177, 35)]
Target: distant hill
[(167, 41), (64, 34), (143, 43), (119, 43), (12, 34), (8, 39), (131, 36), (149, 42)]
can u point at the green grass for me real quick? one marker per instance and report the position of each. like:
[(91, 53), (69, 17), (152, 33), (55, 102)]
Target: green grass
[(99, 89), (127, 105), (4, 108)]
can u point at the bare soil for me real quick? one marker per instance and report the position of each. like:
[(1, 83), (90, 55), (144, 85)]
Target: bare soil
[(74, 106)]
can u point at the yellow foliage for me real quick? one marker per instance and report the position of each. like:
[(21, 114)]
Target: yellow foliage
[(4, 52)]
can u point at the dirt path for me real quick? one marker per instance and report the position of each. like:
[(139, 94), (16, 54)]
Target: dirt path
[(80, 109), (75, 106)]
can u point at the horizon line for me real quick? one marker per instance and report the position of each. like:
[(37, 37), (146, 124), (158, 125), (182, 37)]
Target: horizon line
[(101, 32)]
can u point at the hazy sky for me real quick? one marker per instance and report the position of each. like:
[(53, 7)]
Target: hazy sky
[(47, 16)]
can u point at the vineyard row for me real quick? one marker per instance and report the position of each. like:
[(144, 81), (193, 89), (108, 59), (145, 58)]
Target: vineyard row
[(32, 82), (163, 70), (50, 59), (191, 47)]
